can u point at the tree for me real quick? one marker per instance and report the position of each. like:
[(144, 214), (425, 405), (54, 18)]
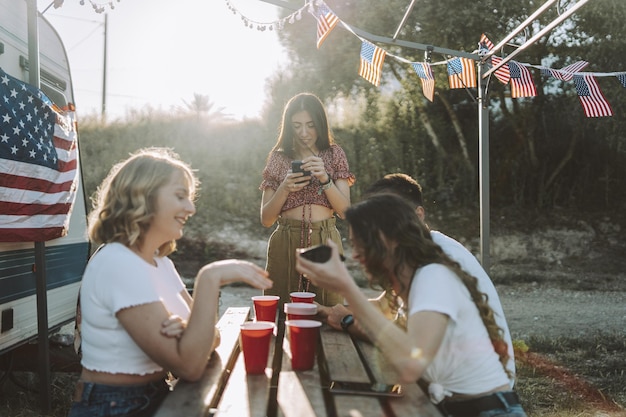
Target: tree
[(204, 109), (540, 145)]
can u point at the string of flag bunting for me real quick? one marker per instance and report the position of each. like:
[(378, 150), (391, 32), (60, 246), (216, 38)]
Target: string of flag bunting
[(98, 7), (461, 72)]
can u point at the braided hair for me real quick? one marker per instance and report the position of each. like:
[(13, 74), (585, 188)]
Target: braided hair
[(388, 217)]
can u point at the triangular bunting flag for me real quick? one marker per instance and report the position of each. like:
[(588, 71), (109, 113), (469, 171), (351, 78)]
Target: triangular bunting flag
[(372, 58), (591, 97), (521, 81), (326, 21), (565, 73), (461, 73), (502, 74), (425, 72)]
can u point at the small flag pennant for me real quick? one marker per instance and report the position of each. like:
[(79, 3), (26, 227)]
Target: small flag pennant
[(326, 21), (461, 73), (521, 81), (503, 74), (593, 101), (565, 73), (425, 72), (372, 58), (484, 43)]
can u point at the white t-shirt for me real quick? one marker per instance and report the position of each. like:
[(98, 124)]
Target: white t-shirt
[(466, 362), (117, 278), (457, 252)]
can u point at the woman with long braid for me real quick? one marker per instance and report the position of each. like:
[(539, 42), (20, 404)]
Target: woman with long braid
[(451, 339)]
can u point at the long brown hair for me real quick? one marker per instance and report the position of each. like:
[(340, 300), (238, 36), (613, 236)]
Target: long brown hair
[(389, 217), (311, 104)]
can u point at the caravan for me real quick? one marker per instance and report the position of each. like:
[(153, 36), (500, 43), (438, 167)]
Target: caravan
[(65, 257)]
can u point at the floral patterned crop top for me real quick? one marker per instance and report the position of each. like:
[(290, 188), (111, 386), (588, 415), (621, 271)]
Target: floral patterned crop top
[(278, 164)]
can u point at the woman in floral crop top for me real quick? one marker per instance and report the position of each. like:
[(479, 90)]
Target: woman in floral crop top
[(303, 203)]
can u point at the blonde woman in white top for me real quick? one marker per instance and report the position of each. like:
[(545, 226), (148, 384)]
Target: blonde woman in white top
[(138, 321)]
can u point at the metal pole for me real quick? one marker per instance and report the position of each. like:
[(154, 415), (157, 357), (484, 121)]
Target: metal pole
[(537, 36), (483, 166), (40, 247), (104, 70), (404, 18), (521, 27)]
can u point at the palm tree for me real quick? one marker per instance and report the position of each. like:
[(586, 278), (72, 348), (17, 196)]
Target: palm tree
[(204, 109)]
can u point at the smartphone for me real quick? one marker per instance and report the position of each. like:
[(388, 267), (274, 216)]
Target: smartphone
[(320, 254), (296, 166), (366, 388)]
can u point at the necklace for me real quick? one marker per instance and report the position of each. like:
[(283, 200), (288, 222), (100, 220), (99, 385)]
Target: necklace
[(303, 283)]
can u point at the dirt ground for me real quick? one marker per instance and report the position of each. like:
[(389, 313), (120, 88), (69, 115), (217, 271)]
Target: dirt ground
[(557, 274)]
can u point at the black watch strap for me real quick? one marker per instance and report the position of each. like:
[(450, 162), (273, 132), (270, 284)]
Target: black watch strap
[(347, 321)]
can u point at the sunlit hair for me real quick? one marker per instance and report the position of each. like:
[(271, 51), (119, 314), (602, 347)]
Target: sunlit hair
[(400, 184), (125, 202), (311, 104), (387, 217)]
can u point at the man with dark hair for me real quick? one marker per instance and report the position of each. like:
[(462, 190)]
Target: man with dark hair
[(339, 316)]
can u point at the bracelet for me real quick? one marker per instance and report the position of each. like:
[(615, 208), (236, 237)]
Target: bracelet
[(325, 186)]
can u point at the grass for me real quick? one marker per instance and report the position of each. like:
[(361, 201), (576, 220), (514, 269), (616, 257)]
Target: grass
[(573, 376), (562, 377)]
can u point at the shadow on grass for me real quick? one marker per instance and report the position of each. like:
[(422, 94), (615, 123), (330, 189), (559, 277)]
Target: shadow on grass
[(580, 376)]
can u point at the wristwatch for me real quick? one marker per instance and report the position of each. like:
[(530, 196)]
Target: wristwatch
[(347, 321)]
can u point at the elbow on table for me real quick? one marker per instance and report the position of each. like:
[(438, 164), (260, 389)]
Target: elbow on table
[(190, 373)]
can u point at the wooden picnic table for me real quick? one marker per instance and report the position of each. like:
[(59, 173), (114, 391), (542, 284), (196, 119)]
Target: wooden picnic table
[(226, 389)]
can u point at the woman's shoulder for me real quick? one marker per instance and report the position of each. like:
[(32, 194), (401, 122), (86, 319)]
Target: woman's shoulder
[(113, 257), (277, 154), (435, 271), (113, 249)]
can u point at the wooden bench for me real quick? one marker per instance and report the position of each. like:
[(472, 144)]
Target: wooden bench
[(226, 389)]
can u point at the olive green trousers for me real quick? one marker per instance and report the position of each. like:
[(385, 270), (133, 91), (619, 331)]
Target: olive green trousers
[(281, 258)]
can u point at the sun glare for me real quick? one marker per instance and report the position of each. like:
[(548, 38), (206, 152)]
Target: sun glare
[(160, 53)]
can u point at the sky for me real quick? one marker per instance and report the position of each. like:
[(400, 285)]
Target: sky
[(161, 52)]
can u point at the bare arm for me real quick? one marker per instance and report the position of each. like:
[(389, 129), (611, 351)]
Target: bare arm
[(333, 315), (186, 356), (273, 200), (409, 352), (338, 193)]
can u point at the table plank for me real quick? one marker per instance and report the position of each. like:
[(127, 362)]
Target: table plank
[(299, 392), (344, 364), (245, 395), (196, 398), (383, 372)]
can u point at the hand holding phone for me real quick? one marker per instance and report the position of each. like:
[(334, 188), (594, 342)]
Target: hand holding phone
[(296, 166), (366, 388), (319, 254)]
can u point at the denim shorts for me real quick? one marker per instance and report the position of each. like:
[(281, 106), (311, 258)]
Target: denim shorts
[(99, 400)]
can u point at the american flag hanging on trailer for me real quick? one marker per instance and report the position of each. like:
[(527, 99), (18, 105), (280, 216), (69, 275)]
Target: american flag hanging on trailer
[(38, 164)]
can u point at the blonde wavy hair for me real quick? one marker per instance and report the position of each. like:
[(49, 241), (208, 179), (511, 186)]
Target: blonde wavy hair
[(125, 202), (385, 217)]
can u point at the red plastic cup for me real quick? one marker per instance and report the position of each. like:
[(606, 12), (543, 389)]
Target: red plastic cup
[(300, 311), (302, 297), (265, 307), (303, 337), (255, 344)]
